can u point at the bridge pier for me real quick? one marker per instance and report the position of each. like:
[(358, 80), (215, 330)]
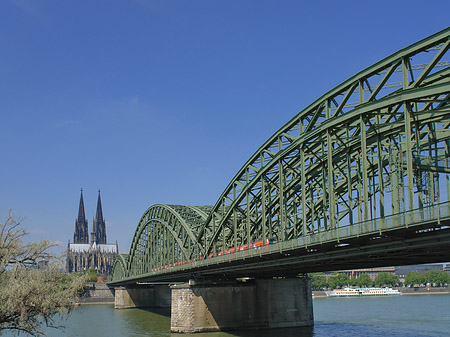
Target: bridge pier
[(259, 304), (142, 296)]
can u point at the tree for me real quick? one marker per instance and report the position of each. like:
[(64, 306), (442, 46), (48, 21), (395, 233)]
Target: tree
[(438, 277), (31, 297), (364, 280), (318, 281), (338, 281), (386, 279), (414, 278), (91, 275)]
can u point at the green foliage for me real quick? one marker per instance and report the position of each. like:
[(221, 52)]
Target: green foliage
[(318, 282), (437, 277), (434, 277), (338, 281), (91, 275), (386, 279), (364, 280), (414, 278), (31, 297)]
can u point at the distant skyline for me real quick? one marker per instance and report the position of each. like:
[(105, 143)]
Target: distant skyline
[(163, 102)]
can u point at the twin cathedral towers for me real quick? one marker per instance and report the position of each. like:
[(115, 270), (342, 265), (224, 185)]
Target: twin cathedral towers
[(98, 234), (96, 254)]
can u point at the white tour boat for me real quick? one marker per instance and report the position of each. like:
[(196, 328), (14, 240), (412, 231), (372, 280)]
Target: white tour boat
[(352, 292)]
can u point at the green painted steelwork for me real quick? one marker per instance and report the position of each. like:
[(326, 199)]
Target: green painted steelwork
[(166, 234), (374, 148), (120, 267)]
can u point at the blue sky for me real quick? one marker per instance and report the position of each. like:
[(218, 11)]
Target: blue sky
[(163, 101)]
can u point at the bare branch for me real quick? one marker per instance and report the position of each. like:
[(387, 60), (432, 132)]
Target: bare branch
[(31, 297)]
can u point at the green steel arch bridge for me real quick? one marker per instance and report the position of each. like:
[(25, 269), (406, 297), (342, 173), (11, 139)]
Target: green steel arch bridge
[(359, 178)]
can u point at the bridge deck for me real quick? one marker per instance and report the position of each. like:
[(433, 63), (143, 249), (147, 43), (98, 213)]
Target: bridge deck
[(421, 236)]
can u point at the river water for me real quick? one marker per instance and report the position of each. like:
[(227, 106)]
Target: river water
[(402, 316)]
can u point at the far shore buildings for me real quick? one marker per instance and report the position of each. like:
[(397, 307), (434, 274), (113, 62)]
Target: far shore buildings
[(95, 254)]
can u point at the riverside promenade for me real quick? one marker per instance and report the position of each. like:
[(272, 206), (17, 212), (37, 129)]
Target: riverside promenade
[(405, 291), (97, 293)]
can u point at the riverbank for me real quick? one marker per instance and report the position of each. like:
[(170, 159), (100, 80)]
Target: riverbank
[(96, 293), (99, 293), (405, 291), (425, 290)]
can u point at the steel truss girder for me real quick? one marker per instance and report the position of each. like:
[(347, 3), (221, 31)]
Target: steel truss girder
[(371, 147), (120, 267), (166, 234), (313, 130)]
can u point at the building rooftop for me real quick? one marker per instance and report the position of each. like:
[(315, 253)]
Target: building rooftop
[(84, 247)]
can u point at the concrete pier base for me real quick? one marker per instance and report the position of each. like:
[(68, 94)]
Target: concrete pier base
[(265, 303), (143, 296)]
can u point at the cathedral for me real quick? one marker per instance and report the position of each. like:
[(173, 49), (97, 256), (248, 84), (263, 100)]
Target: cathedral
[(95, 254)]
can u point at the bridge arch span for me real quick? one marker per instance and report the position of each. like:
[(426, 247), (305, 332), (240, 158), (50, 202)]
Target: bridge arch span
[(166, 235), (365, 149), (120, 267), (377, 145)]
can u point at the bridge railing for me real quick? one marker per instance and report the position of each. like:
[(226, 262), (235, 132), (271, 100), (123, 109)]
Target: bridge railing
[(405, 219)]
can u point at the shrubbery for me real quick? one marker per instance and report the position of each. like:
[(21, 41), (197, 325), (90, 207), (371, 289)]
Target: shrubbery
[(31, 297)]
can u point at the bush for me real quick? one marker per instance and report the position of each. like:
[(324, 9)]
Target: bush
[(31, 297)]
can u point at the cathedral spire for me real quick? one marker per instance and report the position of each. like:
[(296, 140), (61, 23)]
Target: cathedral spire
[(99, 226), (81, 213), (99, 213), (81, 234)]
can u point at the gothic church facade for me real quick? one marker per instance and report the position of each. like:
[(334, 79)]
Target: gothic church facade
[(95, 254)]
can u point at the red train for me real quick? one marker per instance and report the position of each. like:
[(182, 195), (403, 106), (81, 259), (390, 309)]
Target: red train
[(255, 244), (232, 250)]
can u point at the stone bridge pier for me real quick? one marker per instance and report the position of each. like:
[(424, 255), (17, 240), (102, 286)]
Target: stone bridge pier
[(142, 296), (257, 304), (215, 306)]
